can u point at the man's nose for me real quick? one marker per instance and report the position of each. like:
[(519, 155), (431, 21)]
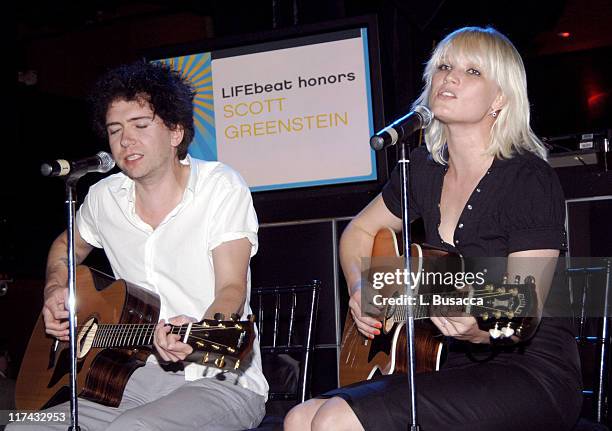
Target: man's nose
[(126, 138)]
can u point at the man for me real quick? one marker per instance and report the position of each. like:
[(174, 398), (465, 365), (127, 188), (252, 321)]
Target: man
[(180, 227)]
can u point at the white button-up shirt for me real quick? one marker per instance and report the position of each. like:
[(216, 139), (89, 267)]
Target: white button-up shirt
[(174, 260)]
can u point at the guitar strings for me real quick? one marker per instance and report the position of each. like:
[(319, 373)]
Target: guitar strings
[(149, 326), (421, 310), (125, 334)]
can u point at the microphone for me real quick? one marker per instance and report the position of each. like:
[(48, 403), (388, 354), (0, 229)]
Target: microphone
[(415, 120), (101, 162)]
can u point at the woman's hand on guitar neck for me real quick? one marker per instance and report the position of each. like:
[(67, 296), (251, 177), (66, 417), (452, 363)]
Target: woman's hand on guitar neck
[(461, 328), (55, 313), (169, 346), (367, 325)]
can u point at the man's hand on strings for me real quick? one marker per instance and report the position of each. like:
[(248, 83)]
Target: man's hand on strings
[(55, 312)]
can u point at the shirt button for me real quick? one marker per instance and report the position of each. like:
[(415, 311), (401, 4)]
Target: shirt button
[(469, 207), (460, 225), (456, 241), (477, 190)]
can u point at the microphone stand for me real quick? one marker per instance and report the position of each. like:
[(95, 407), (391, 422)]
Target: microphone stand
[(71, 181), (72, 172), (403, 161), (397, 133)]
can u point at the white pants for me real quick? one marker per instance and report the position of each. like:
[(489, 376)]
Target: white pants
[(155, 399)]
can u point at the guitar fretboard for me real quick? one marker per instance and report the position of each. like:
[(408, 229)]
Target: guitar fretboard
[(423, 307), (129, 335)]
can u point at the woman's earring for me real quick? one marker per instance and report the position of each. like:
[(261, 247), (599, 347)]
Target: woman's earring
[(494, 114)]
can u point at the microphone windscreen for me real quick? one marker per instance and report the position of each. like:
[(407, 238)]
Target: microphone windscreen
[(426, 115), (106, 162), (46, 169)]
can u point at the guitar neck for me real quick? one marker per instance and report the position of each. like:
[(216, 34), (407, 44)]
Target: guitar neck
[(424, 304), (227, 339), (129, 335)]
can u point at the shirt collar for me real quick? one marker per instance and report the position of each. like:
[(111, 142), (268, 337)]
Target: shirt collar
[(193, 173), (128, 184), (496, 164)]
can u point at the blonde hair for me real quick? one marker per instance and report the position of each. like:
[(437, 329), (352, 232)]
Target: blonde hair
[(500, 61)]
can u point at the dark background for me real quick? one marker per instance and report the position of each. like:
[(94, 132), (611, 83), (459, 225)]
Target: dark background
[(61, 47)]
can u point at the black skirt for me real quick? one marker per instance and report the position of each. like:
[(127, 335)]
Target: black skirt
[(536, 386)]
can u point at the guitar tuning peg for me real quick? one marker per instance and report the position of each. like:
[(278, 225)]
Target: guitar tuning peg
[(529, 279), (495, 333), (235, 317), (507, 331), (220, 362), (505, 279), (204, 359), (517, 279), (219, 316)]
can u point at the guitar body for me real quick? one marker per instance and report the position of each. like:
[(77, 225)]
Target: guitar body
[(362, 358), (508, 311), (102, 373)]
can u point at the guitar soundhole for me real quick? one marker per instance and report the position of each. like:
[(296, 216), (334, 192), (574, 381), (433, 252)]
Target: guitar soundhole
[(86, 337)]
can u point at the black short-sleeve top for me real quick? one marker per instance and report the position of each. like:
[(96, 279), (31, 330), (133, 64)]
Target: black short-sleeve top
[(518, 205)]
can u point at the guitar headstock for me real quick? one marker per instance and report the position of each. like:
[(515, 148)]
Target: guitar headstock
[(221, 343), (506, 310)]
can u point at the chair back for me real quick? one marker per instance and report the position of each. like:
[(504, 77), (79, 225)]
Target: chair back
[(286, 320)]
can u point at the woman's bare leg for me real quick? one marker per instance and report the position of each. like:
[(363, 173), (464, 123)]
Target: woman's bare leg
[(335, 414), (300, 417), (322, 415)]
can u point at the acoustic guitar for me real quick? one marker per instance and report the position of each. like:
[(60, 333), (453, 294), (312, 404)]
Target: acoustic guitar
[(115, 325), (504, 310)]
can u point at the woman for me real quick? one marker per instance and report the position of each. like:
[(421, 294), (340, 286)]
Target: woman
[(483, 189)]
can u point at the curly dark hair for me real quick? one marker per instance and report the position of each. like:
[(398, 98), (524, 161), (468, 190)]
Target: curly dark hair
[(169, 94)]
